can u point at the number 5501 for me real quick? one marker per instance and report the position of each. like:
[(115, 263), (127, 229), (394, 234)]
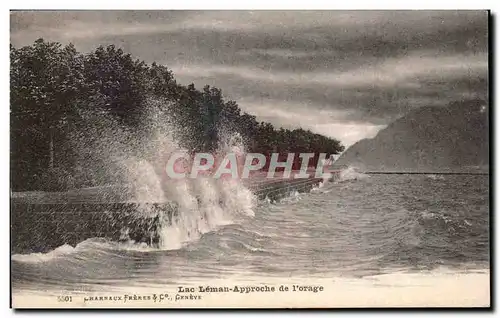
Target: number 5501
[(66, 299)]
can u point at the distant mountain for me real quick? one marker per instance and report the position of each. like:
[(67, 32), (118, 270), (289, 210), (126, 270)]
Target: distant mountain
[(455, 137)]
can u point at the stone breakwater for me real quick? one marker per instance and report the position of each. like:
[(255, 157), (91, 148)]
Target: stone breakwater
[(42, 221)]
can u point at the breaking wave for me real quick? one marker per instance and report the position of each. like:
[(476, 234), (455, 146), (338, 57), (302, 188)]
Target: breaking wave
[(203, 204), (351, 173)]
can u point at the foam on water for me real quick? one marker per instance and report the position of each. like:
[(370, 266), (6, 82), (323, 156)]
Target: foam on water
[(435, 177), (44, 257), (138, 163), (204, 204), (353, 229), (387, 248), (200, 209), (351, 173)]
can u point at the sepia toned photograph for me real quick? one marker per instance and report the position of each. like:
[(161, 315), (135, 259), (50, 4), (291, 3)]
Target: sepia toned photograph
[(250, 159)]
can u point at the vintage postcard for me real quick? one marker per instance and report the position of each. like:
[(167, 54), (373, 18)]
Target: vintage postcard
[(249, 159)]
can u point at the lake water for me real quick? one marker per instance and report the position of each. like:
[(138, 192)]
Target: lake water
[(357, 228)]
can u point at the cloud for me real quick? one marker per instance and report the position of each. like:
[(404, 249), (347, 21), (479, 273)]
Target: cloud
[(328, 122), (378, 93), (389, 72), (349, 134), (341, 73), (348, 31), (294, 112)]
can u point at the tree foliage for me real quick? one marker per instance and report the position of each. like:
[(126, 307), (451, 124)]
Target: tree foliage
[(54, 86)]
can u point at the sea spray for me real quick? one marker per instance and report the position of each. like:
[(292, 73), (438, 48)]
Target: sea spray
[(236, 197), (146, 186), (185, 224), (351, 173), (136, 161), (325, 179), (204, 203)]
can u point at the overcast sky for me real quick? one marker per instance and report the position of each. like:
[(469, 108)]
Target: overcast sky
[(344, 74)]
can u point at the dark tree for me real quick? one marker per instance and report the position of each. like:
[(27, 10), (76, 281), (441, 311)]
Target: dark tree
[(55, 90)]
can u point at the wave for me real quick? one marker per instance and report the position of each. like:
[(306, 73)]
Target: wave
[(435, 177), (351, 173), (356, 230), (45, 257), (90, 246), (204, 205)]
